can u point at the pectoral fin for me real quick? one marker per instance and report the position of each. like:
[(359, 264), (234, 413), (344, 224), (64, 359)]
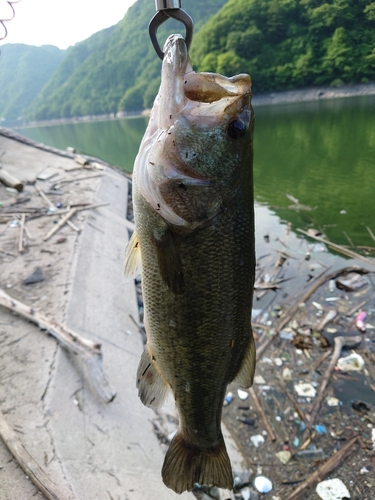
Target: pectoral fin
[(169, 261), (152, 388), (132, 264), (245, 374)]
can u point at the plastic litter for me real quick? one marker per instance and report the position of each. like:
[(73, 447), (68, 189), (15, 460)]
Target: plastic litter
[(263, 484), (351, 282), (247, 421), (257, 440), (352, 363), (360, 321), (242, 394), (287, 374), (228, 399), (258, 379), (246, 493), (331, 286), (316, 454), (305, 390), (14, 223), (332, 489), (373, 438), (320, 429), (287, 335), (331, 401), (35, 277), (284, 456)]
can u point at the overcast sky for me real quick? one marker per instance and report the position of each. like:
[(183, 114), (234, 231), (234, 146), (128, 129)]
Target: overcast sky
[(49, 22)]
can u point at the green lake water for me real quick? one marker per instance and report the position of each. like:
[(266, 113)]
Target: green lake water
[(322, 153)]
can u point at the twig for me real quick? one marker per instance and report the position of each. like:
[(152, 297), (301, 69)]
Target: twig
[(8, 253), (44, 197), (323, 470), (339, 248), (293, 401), (60, 224), (371, 233), (89, 351), (262, 415), (73, 226), (320, 360), (340, 342), (358, 306), (22, 226), (347, 237), (28, 464), (66, 181), (284, 320)]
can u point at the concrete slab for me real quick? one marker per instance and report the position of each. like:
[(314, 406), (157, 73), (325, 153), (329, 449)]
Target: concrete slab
[(90, 449)]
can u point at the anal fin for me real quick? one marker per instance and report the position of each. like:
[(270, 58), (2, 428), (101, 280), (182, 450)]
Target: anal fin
[(152, 388), (245, 375), (132, 263)]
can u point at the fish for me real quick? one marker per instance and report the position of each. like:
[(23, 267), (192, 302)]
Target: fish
[(194, 243)]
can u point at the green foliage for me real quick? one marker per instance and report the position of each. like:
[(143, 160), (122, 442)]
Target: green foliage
[(24, 70), (283, 44), (287, 44), (115, 69)]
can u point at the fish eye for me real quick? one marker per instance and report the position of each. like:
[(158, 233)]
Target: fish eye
[(236, 129)]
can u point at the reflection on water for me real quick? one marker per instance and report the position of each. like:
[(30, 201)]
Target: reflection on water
[(322, 153), (115, 141)]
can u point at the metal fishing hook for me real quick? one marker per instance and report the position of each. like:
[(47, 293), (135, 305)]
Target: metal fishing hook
[(164, 10), (2, 21)]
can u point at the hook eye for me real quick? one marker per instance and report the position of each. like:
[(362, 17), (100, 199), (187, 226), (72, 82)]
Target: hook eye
[(163, 15)]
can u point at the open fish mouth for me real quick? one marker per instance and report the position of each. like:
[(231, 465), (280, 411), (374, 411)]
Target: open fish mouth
[(193, 113), (196, 94)]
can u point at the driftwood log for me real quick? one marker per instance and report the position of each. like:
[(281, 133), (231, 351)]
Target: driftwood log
[(89, 351), (10, 181)]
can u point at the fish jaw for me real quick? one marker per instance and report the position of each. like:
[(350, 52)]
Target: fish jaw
[(183, 168)]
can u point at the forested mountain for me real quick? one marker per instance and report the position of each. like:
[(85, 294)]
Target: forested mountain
[(283, 44), (24, 70), (287, 44), (115, 69)]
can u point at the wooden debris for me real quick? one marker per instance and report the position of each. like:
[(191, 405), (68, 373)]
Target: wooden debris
[(47, 201), (10, 181), (339, 248), (370, 233), (89, 351), (81, 160), (323, 470), (31, 468), (7, 253), (60, 224), (293, 401), (340, 342), (22, 226), (261, 414), (289, 314)]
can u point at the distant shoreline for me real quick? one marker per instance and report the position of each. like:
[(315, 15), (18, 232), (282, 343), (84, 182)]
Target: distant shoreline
[(267, 99)]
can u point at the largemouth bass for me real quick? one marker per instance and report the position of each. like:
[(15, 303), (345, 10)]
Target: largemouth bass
[(194, 220)]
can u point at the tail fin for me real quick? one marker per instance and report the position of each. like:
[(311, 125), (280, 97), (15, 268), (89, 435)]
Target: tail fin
[(186, 464)]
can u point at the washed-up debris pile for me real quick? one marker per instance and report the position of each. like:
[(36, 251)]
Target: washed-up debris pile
[(310, 415)]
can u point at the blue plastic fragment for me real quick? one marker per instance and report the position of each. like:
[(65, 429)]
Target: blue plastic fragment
[(320, 429)]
